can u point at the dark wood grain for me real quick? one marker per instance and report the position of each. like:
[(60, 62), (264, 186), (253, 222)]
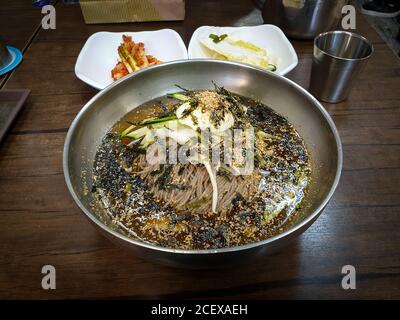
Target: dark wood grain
[(19, 23), (40, 223)]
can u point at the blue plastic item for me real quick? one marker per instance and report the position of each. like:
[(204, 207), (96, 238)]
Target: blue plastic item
[(40, 3), (16, 58)]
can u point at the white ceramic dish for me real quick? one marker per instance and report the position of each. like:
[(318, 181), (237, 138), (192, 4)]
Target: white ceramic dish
[(99, 54), (266, 36)]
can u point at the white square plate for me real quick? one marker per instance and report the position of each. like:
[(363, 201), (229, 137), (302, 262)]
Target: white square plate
[(99, 55), (266, 36)]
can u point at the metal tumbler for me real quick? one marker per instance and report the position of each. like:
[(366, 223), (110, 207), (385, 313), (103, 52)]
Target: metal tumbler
[(339, 57), (302, 19)]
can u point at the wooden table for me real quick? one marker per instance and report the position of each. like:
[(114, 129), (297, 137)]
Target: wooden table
[(18, 32), (40, 223)]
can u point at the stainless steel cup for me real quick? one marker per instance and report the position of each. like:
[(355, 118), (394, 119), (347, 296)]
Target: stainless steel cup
[(302, 19), (339, 57), (5, 55)]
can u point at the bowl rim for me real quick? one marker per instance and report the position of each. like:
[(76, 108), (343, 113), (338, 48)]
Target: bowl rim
[(347, 33), (286, 233)]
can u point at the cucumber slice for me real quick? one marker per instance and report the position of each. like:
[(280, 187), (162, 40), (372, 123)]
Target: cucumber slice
[(127, 130), (158, 120), (147, 140), (178, 96), (168, 124), (138, 133)]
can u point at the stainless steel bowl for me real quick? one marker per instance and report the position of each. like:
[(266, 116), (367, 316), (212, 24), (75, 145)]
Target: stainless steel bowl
[(289, 99), (302, 19)]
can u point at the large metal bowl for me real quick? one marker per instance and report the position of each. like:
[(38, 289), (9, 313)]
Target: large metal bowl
[(289, 99)]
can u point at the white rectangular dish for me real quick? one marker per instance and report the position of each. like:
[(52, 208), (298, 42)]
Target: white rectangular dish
[(99, 55), (266, 36)]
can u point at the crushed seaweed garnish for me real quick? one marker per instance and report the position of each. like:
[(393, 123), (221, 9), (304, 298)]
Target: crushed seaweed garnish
[(193, 105), (182, 88), (194, 119), (225, 173), (235, 105), (217, 115), (181, 170), (164, 178), (236, 201)]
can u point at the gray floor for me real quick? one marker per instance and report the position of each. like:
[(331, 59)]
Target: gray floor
[(388, 28)]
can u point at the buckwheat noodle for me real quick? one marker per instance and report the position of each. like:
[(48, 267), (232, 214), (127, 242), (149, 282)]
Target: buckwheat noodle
[(196, 196)]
